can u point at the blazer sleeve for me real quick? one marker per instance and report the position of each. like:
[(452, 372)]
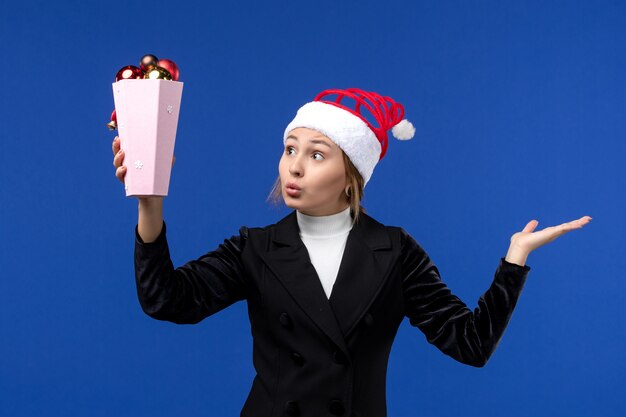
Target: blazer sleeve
[(193, 291), (468, 336)]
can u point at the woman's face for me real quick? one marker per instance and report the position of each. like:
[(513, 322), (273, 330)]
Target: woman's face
[(312, 173)]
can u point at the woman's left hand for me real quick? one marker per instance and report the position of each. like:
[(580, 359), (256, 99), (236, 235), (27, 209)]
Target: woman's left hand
[(526, 241)]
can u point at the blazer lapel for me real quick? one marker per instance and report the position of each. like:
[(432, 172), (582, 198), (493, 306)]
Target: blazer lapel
[(289, 260), (364, 268)]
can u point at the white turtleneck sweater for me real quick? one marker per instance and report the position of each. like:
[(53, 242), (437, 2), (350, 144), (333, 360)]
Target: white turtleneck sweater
[(325, 239)]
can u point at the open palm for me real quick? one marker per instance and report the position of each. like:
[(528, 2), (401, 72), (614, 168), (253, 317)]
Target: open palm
[(526, 241)]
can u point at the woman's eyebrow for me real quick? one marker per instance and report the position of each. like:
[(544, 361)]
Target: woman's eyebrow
[(321, 142), (314, 141)]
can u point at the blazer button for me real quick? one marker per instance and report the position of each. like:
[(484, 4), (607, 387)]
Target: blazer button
[(292, 409), (297, 358), (339, 357), (368, 319), (336, 408), (285, 320)]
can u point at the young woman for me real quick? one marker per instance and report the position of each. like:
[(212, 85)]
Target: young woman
[(327, 286)]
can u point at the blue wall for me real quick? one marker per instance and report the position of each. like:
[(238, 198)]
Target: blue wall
[(520, 113)]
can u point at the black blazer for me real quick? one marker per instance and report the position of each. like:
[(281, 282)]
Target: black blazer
[(316, 356)]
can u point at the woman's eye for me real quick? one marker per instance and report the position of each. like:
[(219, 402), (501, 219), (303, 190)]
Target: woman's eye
[(289, 150), (318, 156)]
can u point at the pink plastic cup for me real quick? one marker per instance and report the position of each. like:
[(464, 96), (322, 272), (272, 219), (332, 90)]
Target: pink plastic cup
[(147, 118)]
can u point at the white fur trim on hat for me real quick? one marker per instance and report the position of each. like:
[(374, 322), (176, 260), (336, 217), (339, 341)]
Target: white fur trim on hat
[(348, 131)]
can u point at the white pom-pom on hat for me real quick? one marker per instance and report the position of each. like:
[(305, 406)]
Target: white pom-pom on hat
[(403, 130)]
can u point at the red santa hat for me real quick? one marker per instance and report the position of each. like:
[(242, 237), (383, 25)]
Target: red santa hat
[(346, 125)]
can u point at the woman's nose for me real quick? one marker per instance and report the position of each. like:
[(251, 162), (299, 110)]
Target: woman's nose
[(295, 168)]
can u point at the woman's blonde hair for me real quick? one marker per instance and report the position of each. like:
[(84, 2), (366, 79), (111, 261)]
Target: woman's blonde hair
[(353, 196)]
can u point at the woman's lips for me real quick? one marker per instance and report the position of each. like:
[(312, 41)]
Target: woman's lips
[(292, 190)]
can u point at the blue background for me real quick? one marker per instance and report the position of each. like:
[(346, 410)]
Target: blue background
[(520, 113)]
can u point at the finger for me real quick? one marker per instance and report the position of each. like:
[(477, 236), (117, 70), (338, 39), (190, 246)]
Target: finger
[(120, 173), (118, 159), (116, 145), (576, 224), (530, 226), (553, 232), (584, 220)]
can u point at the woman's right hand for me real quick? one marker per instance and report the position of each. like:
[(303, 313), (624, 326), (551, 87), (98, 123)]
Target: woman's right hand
[(150, 220), (118, 159)]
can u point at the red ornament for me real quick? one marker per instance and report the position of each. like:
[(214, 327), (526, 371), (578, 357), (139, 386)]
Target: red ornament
[(171, 66), (148, 61), (112, 125), (129, 72), (158, 73)]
